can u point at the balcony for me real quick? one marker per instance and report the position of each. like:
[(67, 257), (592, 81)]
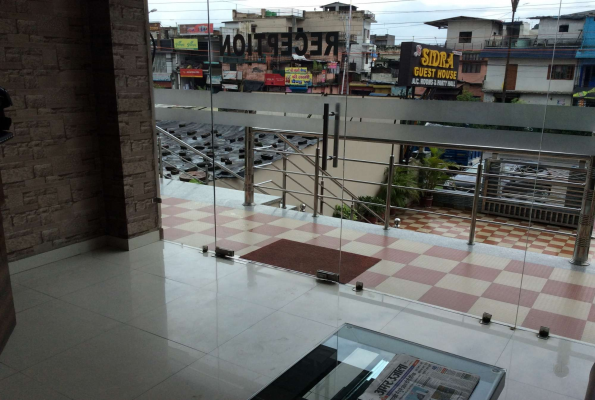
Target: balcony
[(508, 214)]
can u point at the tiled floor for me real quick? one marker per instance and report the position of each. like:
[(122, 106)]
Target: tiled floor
[(466, 280), (554, 244), (166, 322)]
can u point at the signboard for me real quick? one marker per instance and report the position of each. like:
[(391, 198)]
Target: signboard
[(228, 86), (154, 26), (191, 73), (427, 66), (161, 77), (216, 80), (274, 80), (230, 74), (186, 44), (195, 29), (297, 76)]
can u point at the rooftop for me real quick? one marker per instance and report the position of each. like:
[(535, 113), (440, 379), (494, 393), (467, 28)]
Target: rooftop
[(443, 23), (576, 16)]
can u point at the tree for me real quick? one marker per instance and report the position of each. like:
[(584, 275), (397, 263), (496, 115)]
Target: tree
[(466, 96)]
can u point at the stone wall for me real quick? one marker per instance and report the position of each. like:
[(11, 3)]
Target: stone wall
[(81, 164)]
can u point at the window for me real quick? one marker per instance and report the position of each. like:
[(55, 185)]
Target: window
[(253, 28), (560, 72), (471, 68), (563, 28), (470, 56), (465, 37)]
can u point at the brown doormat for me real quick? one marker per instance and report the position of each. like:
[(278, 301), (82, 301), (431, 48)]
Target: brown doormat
[(308, 258)]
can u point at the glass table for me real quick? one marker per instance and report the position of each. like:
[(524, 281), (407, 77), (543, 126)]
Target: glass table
[(345, 364)]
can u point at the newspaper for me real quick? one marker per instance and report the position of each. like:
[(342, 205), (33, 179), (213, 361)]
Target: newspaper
[(409, 378)]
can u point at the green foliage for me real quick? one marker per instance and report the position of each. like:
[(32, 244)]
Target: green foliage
[(316, 67), (466, 96), (378, 209), (400, 197), (196, 181), (517, 101), (429, 179), (345, 211)]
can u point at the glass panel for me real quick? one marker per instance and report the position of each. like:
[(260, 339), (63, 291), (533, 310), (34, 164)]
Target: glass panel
[(556, 294)]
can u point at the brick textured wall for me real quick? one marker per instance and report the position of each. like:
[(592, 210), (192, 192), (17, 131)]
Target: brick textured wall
[(81, 164)]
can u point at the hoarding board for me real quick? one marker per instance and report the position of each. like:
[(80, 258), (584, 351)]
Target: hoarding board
[(427, 66), (195, 29), (297, 76)]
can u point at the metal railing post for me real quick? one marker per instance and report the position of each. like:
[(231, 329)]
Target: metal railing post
[(316, 181), (585, 224), (284, 182), (160, 157), (249, 168), (389, 190), (321, 195), (475, 204)]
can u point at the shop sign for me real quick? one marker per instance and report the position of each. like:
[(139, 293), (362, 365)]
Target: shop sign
[(228, 86), (274, 80), (191, 73), (427, 66), (161, 77), (297, 76), (195, 29), (230, 75), (216, 80), (186, 44), (154, 26)]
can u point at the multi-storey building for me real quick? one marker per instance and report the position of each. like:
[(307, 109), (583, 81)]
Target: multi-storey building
[(547, 64), (468, 35)]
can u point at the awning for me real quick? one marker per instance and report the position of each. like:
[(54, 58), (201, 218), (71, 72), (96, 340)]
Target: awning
[(587, 94)]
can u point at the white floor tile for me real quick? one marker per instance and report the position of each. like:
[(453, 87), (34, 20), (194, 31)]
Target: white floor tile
[(59, 279), (203, 320), (519, 391), (450, 332), (48, 329), (263, 285), (208, 378), (6, 371), (129, 295), (196, 269), (25, 298), (555, 365), (120, 364), (21, 387), (335, 305), (274, 344)]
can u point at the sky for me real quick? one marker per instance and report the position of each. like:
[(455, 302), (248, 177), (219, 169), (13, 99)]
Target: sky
[(402, 18)]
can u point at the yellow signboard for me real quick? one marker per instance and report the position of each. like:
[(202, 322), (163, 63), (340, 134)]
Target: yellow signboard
[(297, 76), (186, 44)]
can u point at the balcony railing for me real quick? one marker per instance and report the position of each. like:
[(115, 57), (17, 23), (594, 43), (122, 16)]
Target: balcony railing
[(532, 42), (500, 190)]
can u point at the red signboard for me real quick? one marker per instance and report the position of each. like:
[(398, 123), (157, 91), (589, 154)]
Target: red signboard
[(274, 80), (191, 73), (195, 29)]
